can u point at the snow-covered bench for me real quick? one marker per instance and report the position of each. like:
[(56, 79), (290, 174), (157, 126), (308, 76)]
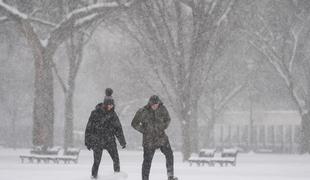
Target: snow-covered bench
[(210, 157), (228, 156), (32, 158), (205, 156), (71, 155), (45, 150)]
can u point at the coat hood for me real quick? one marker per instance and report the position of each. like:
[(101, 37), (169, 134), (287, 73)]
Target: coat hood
[(154, 100), (98, 107)]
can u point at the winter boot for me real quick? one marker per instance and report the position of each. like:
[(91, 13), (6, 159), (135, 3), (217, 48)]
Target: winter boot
[(172, 178)]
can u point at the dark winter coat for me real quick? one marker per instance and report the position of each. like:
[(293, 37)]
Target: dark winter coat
[(152, 124), (102, 128)]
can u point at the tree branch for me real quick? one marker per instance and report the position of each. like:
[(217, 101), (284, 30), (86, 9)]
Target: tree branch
[(224, 16), (228, 97), (272, 62), (164, 14), (212, 7), (292, 59), (12, 11), (3, 19), (61, 82), (141, 78), (41, 21), (295, 45), (15, 14), (188, 3), (91, 13), (79, 53)]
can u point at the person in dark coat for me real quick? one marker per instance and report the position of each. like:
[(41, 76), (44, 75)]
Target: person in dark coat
[(102, 128), (152, 120)]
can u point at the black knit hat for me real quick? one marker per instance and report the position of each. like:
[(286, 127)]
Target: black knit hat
[(108, 99)]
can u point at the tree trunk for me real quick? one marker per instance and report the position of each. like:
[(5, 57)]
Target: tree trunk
[(194, 127), (189, 125), (305, 133), (186, 140), (75, 56), (13, 129), (43, 108), (211, 122), (68, 130), (208, 141)]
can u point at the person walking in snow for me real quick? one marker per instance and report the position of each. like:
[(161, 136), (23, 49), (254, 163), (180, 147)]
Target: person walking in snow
[(152, 120), (102, 128)]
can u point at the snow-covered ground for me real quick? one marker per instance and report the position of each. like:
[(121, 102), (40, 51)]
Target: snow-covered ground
[(249, 166)]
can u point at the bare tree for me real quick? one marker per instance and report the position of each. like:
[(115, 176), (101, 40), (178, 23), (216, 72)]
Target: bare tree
[(74, 54), (177, 37), (43, 50), (280, 33), (215, 103)]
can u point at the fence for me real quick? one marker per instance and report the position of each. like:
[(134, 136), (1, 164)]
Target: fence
[(263, 138)]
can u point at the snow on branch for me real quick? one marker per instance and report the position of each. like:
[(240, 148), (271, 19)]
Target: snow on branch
[(17, 15), (284, 74), (90, 9), (82, 17), (188, 3), (214, 3), (12, 11), (94, 8), (292, 59), (3, 19), (268, 51), (296, 31), (85, 19), (41, 21)]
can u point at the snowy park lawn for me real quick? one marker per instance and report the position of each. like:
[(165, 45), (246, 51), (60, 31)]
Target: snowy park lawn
[(249, 166)]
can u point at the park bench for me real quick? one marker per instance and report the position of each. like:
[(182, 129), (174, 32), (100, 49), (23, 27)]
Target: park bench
[(51, 155), (38, 158), (210, 157), (41, 154), (204, 157), (70, 155), (228, 156)]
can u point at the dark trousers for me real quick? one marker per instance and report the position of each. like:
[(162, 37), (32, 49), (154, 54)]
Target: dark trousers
[(112, 150), (148, 155)]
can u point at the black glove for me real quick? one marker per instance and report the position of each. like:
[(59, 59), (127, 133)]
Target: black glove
[(88, 146), (123, 146)]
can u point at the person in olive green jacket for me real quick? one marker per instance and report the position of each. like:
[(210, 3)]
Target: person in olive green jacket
[(152, 120)]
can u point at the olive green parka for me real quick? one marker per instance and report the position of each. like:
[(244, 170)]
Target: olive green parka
[(152, 124)]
